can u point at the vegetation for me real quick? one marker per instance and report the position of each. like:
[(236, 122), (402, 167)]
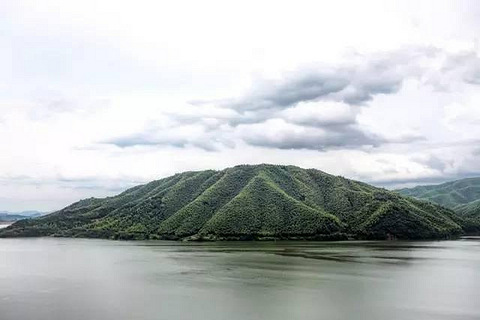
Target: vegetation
[(463, 196), (249, 202), (451, 194), (471, 209), (470, 212)]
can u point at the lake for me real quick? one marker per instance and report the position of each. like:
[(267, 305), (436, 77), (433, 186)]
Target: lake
[(53, 278)]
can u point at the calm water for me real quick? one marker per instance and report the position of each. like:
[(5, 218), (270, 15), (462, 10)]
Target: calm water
[(96, 279)]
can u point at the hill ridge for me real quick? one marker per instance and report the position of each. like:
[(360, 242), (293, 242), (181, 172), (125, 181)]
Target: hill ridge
[(449, 194), (462, 196), (246, 202)]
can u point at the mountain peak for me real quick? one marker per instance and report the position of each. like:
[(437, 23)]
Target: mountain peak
[(248, 202)]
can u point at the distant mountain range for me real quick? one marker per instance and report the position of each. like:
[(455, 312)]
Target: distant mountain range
[(6, 216), (463, 196), (250, 202)]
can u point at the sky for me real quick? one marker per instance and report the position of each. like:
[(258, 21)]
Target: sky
[(98, 96)]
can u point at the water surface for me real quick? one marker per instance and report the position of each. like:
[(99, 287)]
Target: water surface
[(50, 279)]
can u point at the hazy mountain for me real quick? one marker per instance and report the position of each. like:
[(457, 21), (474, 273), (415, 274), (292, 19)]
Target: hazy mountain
[(449, 194), (246, 202), (29, 213), (7, 216), (463, 196)]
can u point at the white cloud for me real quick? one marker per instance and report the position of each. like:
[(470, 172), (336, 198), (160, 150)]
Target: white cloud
[(321, 114), (387, 91)]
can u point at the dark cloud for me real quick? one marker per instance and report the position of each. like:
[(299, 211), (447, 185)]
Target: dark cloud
[(146, 140), (137, 140), (185, 136), (311, 86), (434, 162), (405, 139), (283, 135), (303, 100), (354, 84), (321, 115), (280, 134), (308, 109), (300, 87)]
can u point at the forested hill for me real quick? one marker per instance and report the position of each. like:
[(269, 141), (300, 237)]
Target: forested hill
[(463, 196), (249, 202), (450, 194), (470, 210)]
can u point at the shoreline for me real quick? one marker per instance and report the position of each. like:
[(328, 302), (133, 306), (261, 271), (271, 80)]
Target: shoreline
[(256, 239)]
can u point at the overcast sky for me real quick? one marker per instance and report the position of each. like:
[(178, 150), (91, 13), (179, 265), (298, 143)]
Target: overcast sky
[(97, 96)]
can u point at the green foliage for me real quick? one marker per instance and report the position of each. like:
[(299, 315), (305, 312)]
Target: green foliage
[(262, 208), (463, 196), (471, 209), (247, 202), (450, 194)]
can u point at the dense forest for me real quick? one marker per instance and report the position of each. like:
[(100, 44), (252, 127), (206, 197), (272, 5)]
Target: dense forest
[(450, 194), (250, 202), (462, 196), (470, 210)]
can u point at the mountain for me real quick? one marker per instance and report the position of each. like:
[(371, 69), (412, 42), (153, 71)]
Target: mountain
[(29, 213), (470, 210), (451, 194), (11, 217), (6, 216), (248, 202)]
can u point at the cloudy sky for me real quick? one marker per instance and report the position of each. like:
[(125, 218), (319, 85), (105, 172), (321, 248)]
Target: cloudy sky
[(97, 96)]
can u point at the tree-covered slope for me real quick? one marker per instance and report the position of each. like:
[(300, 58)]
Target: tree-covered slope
[(462, 196), (247, 202), (450, 194), (470, 210)]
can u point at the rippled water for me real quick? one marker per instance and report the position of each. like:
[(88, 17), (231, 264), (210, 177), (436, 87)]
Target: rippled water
[(98, 279)]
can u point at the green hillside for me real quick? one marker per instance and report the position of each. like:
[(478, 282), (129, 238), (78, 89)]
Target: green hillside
[(249, 202), (470, 210), (450, 194)]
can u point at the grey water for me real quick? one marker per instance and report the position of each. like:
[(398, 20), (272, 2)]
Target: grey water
[(52, 278)]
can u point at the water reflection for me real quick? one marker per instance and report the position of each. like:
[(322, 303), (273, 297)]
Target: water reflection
[(96, 279)]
